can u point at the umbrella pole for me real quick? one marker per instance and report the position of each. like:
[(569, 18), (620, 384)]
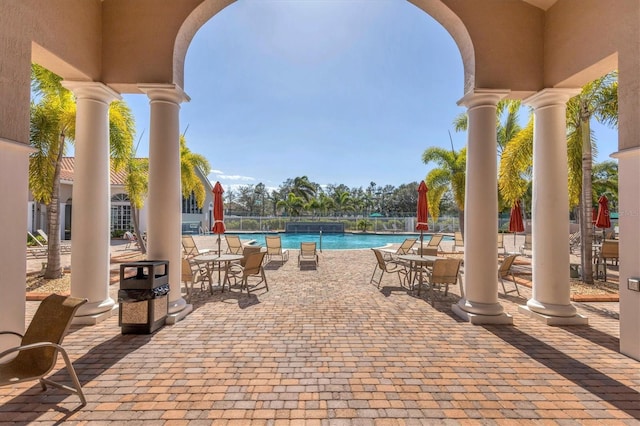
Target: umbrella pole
[(421, 240)]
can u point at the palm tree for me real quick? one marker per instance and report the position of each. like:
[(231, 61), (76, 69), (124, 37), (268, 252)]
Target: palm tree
[(52, 126), (292, 205), (450, 174), (303, 188), (136, 185), (343, 202), (598, 99), (190, 181)]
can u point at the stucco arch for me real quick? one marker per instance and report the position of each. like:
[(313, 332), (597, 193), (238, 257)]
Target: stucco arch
[(439, 11)]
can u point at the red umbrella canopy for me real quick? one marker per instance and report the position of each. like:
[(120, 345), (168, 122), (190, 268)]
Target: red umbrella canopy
[(515, 221), (423, 207), (603, 220), (218, 209)]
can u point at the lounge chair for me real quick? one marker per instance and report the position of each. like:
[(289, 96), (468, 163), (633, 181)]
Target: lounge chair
[(443, 272), (131, 240), (435, 240), (308, 253), (39, 347), (528, 244), (252, 268), (404, 248), (65, 247), (574, 241), (190, 248), (501, 242), (234, 245), (390, 266), (458, 241), (39, 250), (274, 248), (505, 270)]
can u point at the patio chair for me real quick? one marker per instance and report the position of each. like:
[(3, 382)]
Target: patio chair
[(274, 248), (39, 347), (194, 274), (190, 248), (505, 270), (528, 244), (458, 241), (252, 268), (443, 272), (390, 266), (234, 245), (574, 241), (608, 251), (308, 253)]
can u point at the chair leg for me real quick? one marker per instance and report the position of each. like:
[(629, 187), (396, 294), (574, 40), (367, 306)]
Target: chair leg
[(76, 389)]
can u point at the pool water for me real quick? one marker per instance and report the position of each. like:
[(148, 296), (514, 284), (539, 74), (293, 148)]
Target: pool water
[(337, 241)]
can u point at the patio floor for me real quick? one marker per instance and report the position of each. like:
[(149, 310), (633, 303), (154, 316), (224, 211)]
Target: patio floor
[(326, 347)]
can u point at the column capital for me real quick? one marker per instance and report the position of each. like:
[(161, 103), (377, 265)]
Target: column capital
[(164, 92), (482, 97), (91, 90), (548, 97)]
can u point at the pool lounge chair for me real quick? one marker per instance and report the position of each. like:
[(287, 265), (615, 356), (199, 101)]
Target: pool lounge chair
[(458, 241), (65, 247), (308, 253), (434, 241), (505, 270), (234, 245), (404, 248), (38, 250), (274, 248), (190, 248)]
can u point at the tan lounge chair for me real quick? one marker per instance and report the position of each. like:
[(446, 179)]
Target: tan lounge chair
[(234, 245), (458, 241), (190, 248), (308, 253), (39, 347), (274, 248), (65, 247), (404, 248), (434, 241)]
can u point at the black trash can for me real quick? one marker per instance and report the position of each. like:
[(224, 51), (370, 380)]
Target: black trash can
[(143, 296)]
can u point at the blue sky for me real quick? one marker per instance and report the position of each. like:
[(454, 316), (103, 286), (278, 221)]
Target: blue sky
[(340, 91)]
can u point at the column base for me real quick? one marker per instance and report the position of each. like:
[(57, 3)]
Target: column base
[(479, 319), (552, 310), (93, 319), (577, 319), (174, 317)]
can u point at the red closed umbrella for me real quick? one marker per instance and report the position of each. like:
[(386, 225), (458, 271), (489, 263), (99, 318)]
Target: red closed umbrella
[(516, 223), (603, 220), (218, 212), (423, 211)]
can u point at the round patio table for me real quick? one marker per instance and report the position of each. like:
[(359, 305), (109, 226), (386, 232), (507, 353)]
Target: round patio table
[(211, 260)]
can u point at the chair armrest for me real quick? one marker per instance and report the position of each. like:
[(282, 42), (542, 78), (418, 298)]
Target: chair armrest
[(12, 332), (31, 346)]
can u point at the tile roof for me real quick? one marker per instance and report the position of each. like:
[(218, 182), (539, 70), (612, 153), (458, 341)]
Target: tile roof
[(68, 163)]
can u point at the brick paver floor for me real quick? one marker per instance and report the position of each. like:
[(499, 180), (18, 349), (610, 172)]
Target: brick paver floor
[(326, 347)]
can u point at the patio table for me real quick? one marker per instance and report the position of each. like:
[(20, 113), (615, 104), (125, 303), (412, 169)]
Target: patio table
[(416, 262), (211, 260)]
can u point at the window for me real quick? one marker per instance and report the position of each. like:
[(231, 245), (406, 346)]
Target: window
[(189, 205), (120, 213)]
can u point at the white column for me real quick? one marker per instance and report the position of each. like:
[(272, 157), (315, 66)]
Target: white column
[(480, 302), (14, 190), (550, 301), (165, 195), (90, 229)]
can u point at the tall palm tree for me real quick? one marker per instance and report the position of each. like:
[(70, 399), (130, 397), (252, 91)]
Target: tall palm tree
[(450, 174), (52, 125), (303, 188), (189, 163), (598, 99), (343, 202), (137, 185), (292, 205)]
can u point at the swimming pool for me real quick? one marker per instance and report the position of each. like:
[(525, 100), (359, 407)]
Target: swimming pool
[(336, 241)]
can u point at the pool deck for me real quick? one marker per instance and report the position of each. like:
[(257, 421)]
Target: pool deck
[(325, 347)]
